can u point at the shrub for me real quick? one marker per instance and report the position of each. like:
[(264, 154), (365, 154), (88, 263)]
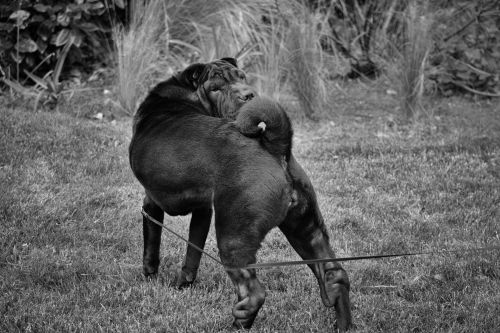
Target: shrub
[(32, 33), (467, 48)]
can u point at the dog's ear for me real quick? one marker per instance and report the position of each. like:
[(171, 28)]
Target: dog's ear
[(190, 76), (232, 61)]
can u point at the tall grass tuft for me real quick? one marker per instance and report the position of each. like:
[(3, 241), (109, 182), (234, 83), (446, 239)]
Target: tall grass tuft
[(267, 67), (205, 30), (412, 59), (276, 43), (306, 62), (138, 50), (167, 35)]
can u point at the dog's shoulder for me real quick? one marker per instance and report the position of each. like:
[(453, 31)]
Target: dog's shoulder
[(168, 99)]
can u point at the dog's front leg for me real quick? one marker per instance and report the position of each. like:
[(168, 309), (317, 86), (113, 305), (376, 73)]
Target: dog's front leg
[(152, 237), (198, 231)]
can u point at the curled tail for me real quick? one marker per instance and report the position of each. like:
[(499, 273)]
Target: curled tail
[(265, 119)]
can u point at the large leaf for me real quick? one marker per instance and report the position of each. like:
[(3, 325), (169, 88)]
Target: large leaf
[(26, 45), (19, 88), (63, 19), (42, 45), (97, 8), (120, 4), (57, 8), (97, 5), (61, 38), (41, 8), (37, 18), (38, 80), (77, 38), (61, 59), (20, 16), (88, 26), (74, 9)]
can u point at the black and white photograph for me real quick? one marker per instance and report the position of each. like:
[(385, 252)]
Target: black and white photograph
[(250, 166)]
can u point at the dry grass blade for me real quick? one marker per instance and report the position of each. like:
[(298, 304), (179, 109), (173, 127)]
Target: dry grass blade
[(137, 51), (268, 69), (413, 58), (306, 63), (165, 36)]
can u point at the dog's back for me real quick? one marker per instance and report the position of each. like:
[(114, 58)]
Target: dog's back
[(266, 119)]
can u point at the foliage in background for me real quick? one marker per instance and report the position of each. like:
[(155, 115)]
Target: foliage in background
[(467, 48), (267, 69), (206, 30), (33, 33), (48, 88), (305, 64), (465, 40), (358, 30), (138, 51), (286, 47), (408, 70), (164, 36)]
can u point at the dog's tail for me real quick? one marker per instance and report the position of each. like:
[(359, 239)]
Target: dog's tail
[(266, 119)]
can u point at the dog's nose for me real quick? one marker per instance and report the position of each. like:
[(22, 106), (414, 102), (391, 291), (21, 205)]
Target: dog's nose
[(248, 96), (244, 92)]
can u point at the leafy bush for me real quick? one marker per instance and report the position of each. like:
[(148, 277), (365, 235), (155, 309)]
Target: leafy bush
[(33, 33), (465, 38), (467, 48)]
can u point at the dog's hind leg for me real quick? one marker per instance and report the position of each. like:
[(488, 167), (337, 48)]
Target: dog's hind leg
[(311, 242), (238, 245), (305, 230), (152, 237), (198, 231), (251, 296)]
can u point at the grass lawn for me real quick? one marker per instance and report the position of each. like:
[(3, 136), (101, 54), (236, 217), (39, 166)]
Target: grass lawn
[(71, 230)]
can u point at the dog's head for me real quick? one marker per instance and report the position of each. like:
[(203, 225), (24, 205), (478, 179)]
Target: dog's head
[(220, 85)]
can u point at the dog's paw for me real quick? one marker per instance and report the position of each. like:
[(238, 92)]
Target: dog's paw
[(184, 280)]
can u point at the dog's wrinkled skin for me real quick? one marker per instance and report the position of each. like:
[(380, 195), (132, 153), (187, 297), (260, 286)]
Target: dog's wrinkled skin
[(190, 157)]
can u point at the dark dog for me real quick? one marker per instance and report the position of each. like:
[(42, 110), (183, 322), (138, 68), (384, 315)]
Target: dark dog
[(190, 157)]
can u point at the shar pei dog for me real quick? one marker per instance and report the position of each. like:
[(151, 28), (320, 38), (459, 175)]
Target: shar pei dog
[(202, 144)]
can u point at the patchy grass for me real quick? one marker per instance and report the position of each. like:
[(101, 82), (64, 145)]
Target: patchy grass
[(71, 237)]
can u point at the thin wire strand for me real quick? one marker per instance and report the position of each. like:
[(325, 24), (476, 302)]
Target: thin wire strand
[(317, 261)]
